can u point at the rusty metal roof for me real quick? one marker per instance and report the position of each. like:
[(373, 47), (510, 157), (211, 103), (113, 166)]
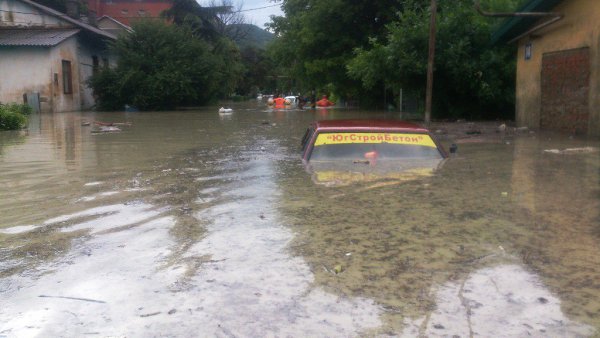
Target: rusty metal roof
[(35, 37)]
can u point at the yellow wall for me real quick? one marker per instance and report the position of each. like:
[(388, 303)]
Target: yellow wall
[(580, 27)]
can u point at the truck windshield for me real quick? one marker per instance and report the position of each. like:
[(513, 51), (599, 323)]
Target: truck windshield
[(374, 146)]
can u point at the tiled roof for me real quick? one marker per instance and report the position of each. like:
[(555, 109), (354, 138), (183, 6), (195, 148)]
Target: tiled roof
[(35, 37)]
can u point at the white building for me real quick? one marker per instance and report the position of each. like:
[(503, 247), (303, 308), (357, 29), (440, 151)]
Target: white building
[(47, 56)]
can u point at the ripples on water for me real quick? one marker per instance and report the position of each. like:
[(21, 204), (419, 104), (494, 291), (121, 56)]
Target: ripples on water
[(189, 223)]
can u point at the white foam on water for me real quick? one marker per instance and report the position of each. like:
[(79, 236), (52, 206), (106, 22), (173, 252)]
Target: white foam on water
[(18, 229), (503, 301), (100, 290), (254, 287), (127, 282)]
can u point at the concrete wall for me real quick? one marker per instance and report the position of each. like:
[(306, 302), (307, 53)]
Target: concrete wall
[(578, 29), (21, 74), (68, 51), (39, 69)]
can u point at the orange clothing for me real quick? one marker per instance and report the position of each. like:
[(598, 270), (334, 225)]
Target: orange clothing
[(280, 101), (324, 103)]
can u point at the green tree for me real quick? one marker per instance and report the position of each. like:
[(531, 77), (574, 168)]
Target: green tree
[(13, 116), (203, 21), (315, 39), (160, 66), (472, 78), (258, 72)]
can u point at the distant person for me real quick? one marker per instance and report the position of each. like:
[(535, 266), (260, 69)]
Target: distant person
[(313, 100), (324, 102), (301, 101), (279, 102)]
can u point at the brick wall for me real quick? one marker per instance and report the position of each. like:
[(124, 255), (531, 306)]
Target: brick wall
[(565, 90)]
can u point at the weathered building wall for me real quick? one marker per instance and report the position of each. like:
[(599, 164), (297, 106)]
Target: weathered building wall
[(578, 29), (67, 51), (20, 74), (86, 54), (35, 64), (39, 69), (15, 13)]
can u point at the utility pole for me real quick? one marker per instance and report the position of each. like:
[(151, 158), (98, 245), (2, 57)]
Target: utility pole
[(428, 94)]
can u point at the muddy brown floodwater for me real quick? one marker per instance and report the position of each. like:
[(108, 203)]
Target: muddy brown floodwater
[(197, 224)]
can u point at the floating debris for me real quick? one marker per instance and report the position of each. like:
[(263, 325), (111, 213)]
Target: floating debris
[(106, 129), (112, 124), (225, 111), (567, 151), (74, 298)]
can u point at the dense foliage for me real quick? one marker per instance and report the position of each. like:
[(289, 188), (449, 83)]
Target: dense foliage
[(161, 66), (372, 50), (316, 39), (259, 72), (13, 116), (203, 21)]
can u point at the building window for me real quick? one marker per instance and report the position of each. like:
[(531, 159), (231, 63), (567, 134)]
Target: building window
[(142, 12), (95, 64), (105, 62), (67, 77), (528, 51), (124, 11)]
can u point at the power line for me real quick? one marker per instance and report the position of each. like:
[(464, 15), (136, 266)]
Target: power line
[(123, 17), (254, 9)]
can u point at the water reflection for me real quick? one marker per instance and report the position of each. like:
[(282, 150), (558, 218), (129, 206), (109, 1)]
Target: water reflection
[(330, 173), (187, 222)]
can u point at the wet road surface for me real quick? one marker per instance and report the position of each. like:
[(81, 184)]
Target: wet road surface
[(195, 224)]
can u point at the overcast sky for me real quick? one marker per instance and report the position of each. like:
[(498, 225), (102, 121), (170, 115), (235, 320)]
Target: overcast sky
[(260, 16), (253, 11)]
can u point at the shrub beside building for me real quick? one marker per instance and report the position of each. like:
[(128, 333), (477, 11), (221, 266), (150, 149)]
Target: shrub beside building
[(13, 116)]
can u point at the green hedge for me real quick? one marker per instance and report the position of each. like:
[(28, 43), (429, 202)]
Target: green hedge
[(13, 116)]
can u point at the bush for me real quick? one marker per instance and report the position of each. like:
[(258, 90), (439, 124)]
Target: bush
[(22, 108), (11, 118), (160, 66)]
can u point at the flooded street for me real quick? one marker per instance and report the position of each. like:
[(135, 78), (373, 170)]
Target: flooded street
[(195, 224)]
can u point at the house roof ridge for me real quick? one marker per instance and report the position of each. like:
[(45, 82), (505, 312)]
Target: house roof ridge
[(116, 21), (67, 18)]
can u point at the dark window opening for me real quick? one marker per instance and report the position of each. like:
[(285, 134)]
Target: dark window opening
[(95, 64), (67, 77)]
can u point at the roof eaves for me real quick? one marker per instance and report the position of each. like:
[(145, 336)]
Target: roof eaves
[(35, 37), (127, 28), (516, 25), (67, 18)]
